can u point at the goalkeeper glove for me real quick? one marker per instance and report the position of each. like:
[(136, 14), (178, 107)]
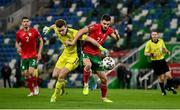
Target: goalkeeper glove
[(46, 30), (104, 51)]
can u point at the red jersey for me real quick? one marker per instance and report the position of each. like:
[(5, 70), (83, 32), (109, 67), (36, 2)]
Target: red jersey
[(96, 33), (28, 42)]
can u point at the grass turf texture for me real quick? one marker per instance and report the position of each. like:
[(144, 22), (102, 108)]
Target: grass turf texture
[(73, 99)]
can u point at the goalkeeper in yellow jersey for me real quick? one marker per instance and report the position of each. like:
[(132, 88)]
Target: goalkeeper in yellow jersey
[(68, 61)]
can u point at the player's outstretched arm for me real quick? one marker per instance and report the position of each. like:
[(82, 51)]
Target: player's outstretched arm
[(40, 49), (78, 36), (165, 50), (91, 40), (115, 35), (47, 29), (103, 50), (18, 47)]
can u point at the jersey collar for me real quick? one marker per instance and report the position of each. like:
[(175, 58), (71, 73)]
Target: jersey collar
[(155, 42)]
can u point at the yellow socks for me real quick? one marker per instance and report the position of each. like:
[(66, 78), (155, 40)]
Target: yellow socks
[(59, 85)]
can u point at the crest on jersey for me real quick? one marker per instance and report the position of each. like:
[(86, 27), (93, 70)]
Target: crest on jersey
[(30, 34)]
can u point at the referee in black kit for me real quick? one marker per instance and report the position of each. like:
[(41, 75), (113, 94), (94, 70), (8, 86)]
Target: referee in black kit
[(156, 50)]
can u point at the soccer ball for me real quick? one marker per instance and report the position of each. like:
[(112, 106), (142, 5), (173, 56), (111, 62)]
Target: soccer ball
[(108, 63)]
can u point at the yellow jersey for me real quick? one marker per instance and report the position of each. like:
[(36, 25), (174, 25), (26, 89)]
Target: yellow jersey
[(69, 36), (156, 49)]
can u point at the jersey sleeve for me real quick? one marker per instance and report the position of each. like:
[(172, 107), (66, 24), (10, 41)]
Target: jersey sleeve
[(92, 28), (38, 34), (163, 45), (147, 47), (110, 31)]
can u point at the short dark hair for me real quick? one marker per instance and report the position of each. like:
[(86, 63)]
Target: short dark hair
[(25, 17), (60, 23), (106, 17), (154, 30)]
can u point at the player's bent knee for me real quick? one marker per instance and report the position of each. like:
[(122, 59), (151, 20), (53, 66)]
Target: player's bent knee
[(24, 74), (55, 75), (104, 80), (88, 67), (63, 74), (31, 71)]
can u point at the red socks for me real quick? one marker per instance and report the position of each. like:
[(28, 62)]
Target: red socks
[(35, 81), (103, 89), (29, 84), (86, 76)]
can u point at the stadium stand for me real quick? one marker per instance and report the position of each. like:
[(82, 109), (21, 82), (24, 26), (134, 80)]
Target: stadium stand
[(6, 2)]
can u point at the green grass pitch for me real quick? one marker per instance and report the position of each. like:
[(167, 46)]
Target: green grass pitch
[(73, 99)]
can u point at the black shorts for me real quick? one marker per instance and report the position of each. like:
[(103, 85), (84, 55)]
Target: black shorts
[(160, 66)]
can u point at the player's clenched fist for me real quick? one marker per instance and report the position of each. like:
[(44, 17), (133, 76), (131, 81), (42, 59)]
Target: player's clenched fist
[(104, 51)]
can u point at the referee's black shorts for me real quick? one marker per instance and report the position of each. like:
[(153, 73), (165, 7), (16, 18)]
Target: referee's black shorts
[(160, 66)]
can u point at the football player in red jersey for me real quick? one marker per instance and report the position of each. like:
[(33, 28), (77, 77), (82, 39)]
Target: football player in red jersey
[(90, 58), (26, 45)]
